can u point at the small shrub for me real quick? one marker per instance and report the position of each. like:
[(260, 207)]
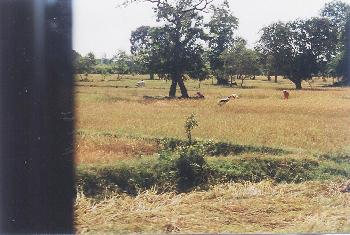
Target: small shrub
[(190, 124), (192, 169)]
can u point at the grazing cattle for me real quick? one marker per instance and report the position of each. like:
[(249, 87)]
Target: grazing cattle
[(227, 99), (285, 94), (200, 95), (140, 84)]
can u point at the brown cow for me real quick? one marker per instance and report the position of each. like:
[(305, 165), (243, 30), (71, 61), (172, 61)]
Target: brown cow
[(285, 94), (200, 95)]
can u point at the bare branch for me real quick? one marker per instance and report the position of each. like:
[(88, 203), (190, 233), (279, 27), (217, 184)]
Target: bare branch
[(128, 2), (198, 7)]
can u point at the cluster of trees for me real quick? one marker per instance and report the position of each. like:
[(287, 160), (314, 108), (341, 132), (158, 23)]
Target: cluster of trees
[(296, 50), (185, 45), (302, 49), (121, 63)]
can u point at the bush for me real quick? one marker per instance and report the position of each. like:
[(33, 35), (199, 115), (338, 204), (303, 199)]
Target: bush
[(257, 169), (186, 168), (99, 180), (192, 169), (342, 157)]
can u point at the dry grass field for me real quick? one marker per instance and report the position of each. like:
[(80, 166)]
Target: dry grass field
[(116, 123), (311, 120), (231, 208)]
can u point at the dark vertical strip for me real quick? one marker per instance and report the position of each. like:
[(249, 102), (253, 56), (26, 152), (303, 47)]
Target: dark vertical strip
[(347, 52), (36, 123)]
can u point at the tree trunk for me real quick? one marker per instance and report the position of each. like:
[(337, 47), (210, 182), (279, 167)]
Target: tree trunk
[(298, 84), (177, 79), (275, 78), (151, 75), (242, 79), (221, 80), (268, 77), (183, 89), (172, 91)]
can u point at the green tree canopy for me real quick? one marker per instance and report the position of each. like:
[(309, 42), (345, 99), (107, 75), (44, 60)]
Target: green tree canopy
[(304, 47), (241, 61), (274, 47), (221, 31), (179, 40), (338, 13)]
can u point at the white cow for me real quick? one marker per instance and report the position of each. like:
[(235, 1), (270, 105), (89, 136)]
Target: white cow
[(227, 99), (140, 83)]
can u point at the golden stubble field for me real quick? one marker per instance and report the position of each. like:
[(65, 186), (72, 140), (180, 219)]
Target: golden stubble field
[(311, 120), (311, 207), (115, 123)]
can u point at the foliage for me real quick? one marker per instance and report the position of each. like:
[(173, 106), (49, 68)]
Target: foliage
[(337, 12), (121, 62), (304, 47), (146, 44), (192, 169), (258, 169), (84, 64), (274, 47), (221, 148), (188, 169), (221, 37), (340, 64), (241, 61), (104, 69), (190, 123), (176, 48)]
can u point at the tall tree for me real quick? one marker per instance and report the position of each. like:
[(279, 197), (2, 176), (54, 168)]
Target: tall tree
[(338, 13), (121, 63), (84, 64), (91, 61), (307, 46), (274, 47), (145, 46), (312, 47), (240, 61), (221, 30), (340, 65), (182, 39)]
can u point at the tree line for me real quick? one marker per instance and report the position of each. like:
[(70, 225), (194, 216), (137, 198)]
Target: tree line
[(121, 63), (186, 45)]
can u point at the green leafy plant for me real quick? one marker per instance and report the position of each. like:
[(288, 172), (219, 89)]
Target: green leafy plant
[(190, 123), (192, 168)]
